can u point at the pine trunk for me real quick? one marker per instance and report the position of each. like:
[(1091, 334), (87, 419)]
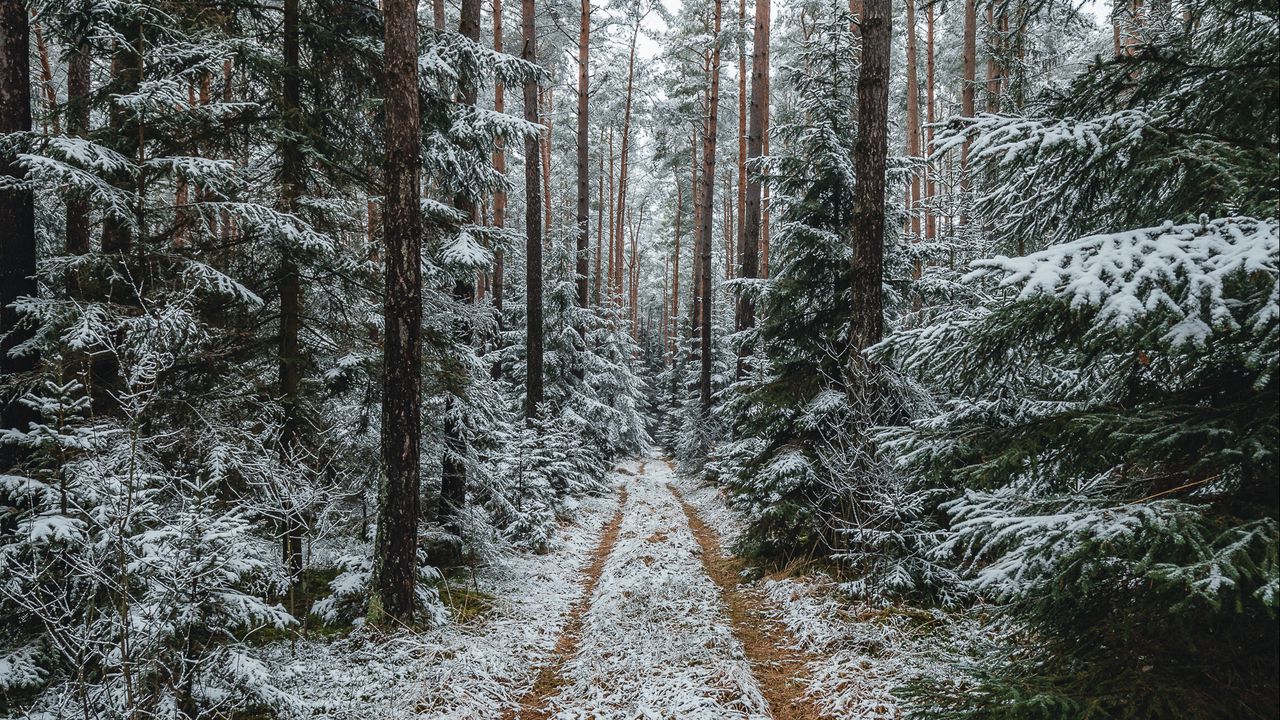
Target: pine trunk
[(869, 159), (78, 88), (913, 129), (290, 289), (704, 222), (751, 221), (584, 179), (395, 551), (533, 223), (499, 164), (17, 215)]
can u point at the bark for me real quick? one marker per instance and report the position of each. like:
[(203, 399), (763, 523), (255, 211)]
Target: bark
[(78, 88), (704, 234), (126, 72), (930, 220), (751, 221), (613, 227), (290, 290), (624, 152), (453, 471), (600, 213), (695, 275), (584, 179), (50, 91), (913, 131), (995, 79), (869, 158), (545, 95), (675, 263), (969, 81), (17, 215), (533, 223), (499, 164), (742, 133), (395, 551)]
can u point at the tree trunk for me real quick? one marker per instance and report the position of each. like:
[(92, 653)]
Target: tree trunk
[(545, 96), (290, 290), (695, 274), (624, 152), (78, 88), (869, 158), (930, 219), (126, 72), (17, 215), (499, 164), (742, 136), (395, 549), (584, 179), (613, 227), (750, 255), (708, 198), (675, 264), (969, 81), (600, 213), (533, 224), (453, 469), (913, 129)]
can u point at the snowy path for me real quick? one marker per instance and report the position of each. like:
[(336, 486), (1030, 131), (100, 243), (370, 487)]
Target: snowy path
[(656, 642)]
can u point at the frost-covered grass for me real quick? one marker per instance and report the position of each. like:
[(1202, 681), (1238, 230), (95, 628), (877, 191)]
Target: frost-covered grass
[(656, 641), (471, 669), (859, 654)]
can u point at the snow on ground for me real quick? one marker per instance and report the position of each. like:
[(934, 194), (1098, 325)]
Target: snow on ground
[(656, 641), (860, 654), (458, 671)]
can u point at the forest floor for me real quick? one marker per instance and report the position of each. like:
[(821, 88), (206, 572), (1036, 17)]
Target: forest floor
[(637, 613)]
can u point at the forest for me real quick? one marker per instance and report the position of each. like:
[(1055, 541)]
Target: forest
[(640, 359)]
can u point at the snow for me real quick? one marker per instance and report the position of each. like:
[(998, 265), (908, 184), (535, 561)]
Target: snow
[(1182, 270), (459, 670), (859, 654), (656, 641)]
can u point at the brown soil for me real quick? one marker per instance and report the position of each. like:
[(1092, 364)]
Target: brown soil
[(536, 703), (768, 645)]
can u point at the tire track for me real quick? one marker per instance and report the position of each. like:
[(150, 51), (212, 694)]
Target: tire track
[(536, 703), (778, 666)]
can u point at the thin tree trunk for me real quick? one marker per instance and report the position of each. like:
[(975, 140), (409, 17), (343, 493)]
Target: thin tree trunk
[(548, 117), (600, 213), (78, 88), (499, 164), (625, 150), (613, 227), (533, 224), (17, 216), (290, 290), (708, 198), (913, 128), (453, 469), (751, 221), (742, 136), (126, 71), (46, 80), (969, 81), (395, 549), (930, 218), (695, 275), (675, 265), (437, 14), (584, 180), (869, 158)]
